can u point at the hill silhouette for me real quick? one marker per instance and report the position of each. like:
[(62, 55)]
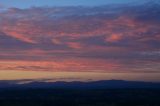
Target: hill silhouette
[(79, 85)]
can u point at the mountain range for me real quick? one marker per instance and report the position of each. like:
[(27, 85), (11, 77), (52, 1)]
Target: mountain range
[(104, 84)]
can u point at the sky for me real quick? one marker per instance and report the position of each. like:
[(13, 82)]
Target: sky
[(30, 3), (109, 39)]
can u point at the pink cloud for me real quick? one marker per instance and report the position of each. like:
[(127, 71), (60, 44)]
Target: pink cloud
[(54, 39)]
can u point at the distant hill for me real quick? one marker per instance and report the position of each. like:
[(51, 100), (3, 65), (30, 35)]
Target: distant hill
[(80, 85)]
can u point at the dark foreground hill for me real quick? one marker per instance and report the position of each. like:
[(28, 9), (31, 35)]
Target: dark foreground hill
[(99, 93), (80, 97)]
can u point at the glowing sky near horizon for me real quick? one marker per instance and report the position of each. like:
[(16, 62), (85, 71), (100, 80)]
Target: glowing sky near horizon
[(80, 37)]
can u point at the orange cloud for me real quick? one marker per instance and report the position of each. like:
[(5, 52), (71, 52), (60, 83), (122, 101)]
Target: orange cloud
[(60, 65), (75, 45), (114, 38)]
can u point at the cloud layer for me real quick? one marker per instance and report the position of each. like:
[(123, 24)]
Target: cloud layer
[(104, 38)]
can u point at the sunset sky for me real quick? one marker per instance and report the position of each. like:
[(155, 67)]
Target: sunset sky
[(80, 39)]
